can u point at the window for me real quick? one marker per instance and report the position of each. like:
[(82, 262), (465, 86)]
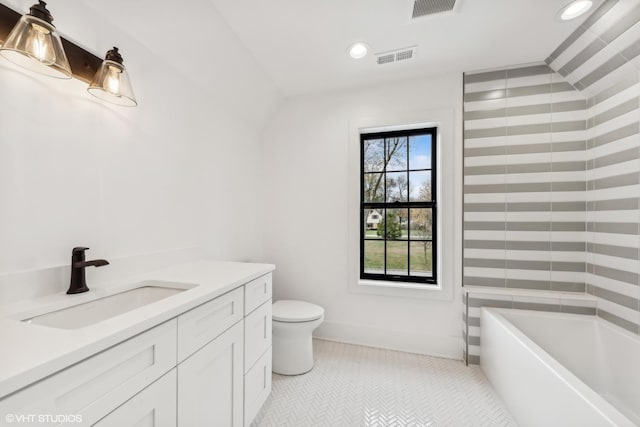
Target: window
[(398, 206)]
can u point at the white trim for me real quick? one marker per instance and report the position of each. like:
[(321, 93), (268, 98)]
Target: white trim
[(392, 128), (408, 341), (446, 159), (402, 285)]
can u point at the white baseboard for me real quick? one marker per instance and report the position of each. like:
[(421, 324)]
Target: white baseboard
[(429, 345)]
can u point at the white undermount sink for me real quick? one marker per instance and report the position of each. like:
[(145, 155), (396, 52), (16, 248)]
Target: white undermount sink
[(88, 313)]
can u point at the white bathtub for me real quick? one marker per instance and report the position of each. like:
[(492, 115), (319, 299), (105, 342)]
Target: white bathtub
[(565, 370)]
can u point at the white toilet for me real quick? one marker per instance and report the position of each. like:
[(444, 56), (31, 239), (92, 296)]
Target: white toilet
[(293, 323)]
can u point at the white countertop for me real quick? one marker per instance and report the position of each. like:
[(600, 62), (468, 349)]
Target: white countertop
[(30, 352)]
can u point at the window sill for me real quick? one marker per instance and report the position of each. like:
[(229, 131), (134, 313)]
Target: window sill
[(401, 289), (400, 285)]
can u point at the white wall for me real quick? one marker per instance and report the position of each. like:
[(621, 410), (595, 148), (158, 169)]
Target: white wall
[(178, 171), (184, 168), (307, 215)]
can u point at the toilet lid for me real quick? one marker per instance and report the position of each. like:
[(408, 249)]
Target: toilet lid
[(296, 311)]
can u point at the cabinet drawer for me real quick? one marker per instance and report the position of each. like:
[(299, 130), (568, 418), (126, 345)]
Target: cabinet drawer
[(257, 334), (257, 387), (103, 382), (256, 292), (154, 406), (202, 324)]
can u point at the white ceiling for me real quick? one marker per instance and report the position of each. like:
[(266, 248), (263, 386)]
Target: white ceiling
[(302, 44)]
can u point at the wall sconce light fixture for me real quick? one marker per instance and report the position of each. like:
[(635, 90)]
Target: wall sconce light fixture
[(32, 42), (111, 82)]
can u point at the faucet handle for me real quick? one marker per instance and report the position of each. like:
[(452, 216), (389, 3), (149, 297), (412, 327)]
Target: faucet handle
[(79, 251)]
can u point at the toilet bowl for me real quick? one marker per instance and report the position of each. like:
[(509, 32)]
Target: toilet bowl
[(293, 323)]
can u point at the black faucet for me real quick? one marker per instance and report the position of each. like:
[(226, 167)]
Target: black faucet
[(78, 263)]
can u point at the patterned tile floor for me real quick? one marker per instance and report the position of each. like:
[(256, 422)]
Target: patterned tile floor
[(353, 385)]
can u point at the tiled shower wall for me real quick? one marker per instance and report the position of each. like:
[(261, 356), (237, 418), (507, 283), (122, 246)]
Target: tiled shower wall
[(602, 60), (552, 174), (524, 180), (524, 194)]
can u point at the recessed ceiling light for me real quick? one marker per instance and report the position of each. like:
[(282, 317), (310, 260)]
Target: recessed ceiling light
[(358, 50), (575, 9)]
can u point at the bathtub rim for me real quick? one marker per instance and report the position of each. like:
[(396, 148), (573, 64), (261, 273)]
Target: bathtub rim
[(603, 406)]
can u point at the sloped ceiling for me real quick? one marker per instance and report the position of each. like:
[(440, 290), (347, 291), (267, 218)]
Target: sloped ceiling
[(302, 44)]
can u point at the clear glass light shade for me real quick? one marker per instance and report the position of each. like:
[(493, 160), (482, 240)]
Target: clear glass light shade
[(34, 44), (111, 83)]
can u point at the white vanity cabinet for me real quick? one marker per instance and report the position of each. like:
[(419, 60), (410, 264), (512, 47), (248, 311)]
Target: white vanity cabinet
[(199, 326), (209, 366), (96, 386), (210, 355), (155, 406), (228, 378), (257, 387), (210, 383), (257, 346)]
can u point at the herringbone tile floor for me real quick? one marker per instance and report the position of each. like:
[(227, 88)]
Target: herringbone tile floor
[(352, 386)]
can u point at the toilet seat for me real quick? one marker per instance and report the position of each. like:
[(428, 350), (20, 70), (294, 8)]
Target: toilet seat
[(291, 311)]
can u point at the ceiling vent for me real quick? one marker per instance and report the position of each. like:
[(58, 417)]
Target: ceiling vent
[(431, 7), (398, 55)]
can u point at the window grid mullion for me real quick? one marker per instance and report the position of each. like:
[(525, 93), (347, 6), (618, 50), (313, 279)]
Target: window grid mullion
[(408, 210), (384, 198)]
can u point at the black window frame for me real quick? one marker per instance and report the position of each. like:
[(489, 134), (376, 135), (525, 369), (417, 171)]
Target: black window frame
[(382, 206)]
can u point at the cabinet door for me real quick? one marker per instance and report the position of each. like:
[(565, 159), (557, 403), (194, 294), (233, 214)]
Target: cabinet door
[(155, 406), (210, 383)]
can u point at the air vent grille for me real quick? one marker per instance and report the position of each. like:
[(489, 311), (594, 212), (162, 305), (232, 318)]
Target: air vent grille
[(403, 54), (430, 7), (386, 58)]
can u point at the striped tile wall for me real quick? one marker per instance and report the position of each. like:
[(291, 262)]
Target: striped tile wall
[(525, 164), (552, 178), (602, 59)]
